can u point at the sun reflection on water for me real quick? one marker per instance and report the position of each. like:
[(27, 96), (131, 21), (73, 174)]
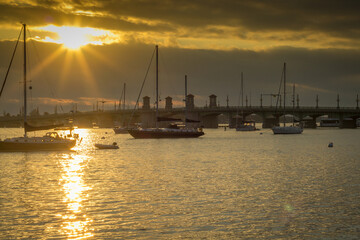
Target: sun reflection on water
[(76, 224)]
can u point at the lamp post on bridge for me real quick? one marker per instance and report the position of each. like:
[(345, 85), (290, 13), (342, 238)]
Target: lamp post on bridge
[(271, 96), (297, 101), (338, 101), (357, 101)]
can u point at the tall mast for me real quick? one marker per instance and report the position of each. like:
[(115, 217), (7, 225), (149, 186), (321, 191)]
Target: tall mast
[(293, 100), (124, 95), (284, 89), (186, 99), (242, 97), (157, 87), (25, 107)]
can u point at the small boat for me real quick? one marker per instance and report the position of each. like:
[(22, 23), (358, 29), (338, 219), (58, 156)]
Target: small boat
[(107, 146)]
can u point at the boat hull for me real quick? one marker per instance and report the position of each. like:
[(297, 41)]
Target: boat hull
[(287, 130), (158, 133), (31, 147), (120, 130), (104, 146)]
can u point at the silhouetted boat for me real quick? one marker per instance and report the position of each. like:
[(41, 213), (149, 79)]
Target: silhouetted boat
[(286, 129), (51, 141), (171, 132)]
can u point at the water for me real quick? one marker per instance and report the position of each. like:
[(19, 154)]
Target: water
[(225, 185)]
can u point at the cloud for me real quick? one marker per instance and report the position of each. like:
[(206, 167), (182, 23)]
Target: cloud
[(304, 87), (204, 24)]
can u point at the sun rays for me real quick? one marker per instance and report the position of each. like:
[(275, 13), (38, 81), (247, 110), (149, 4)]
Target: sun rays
[(72, 56), (73, 38)]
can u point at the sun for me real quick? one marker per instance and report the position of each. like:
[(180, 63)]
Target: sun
[(73, 38)]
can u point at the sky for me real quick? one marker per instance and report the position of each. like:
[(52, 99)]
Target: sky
[(82, 52)]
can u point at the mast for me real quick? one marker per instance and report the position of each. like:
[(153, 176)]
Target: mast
[(242, 98), (284, 89), (293, 101), (124, 95), (186, 103), (157, 87), (25, 105)]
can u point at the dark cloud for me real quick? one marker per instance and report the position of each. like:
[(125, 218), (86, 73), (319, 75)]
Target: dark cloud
[(335, 18)]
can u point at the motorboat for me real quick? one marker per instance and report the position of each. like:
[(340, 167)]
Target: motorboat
[(107, 146)]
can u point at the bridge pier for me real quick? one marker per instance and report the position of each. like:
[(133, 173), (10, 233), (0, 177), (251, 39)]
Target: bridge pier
[(309, 123), (270, 122), (348, 123), (210, 121)]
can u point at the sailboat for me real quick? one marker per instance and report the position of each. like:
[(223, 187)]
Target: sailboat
[(286, 129), (51, 141), (171, 132), (244, 126), (122, 129)]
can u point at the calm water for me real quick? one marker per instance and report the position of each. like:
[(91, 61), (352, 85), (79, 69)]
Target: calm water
[(225, 185)]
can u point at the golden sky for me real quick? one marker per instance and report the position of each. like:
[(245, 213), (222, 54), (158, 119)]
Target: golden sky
[(215, 41)]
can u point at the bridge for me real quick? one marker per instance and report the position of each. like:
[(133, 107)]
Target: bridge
[(208, 117)]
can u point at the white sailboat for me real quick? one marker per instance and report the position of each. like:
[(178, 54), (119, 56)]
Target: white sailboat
[(170, 132), (51, 141), (286, 129)]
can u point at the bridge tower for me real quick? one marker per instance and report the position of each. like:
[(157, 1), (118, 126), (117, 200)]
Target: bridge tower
[(190, 102), (168, 103), (297, 101), (212, 99), (146, 103)]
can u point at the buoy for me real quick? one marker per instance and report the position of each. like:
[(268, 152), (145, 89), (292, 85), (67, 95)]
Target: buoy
[(330, 144)]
